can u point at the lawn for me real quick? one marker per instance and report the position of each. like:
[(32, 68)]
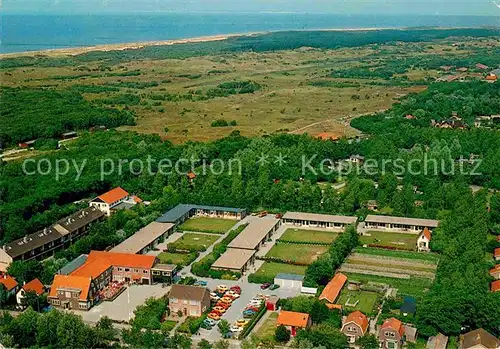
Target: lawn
[(271, 269), (176, 258), (430, 257), (383, 238), (304, 235), (208, 225), (366, 304), (268, 328), (297, 253), (193, 242)]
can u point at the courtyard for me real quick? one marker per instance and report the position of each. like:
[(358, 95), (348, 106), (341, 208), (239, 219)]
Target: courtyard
[(208, 225), (193, 242), (359, 300), (306, 235), (391, 239), (304, 254)]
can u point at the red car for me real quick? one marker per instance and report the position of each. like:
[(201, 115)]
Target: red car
[(236, 289), (223, 305), (265, 286), (251, 307)]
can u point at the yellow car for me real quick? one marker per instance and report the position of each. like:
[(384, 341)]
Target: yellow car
[(219, 309), (214, 316), (241, 322), (226, 300), (222, 288)]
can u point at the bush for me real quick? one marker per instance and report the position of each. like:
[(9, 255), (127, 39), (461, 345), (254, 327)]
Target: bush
[(282, 334), (253, 321)]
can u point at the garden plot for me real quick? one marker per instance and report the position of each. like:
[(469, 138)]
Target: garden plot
[(207, 225), (193, 242), (359, 300), (269, 270), (296, 253), (309, 236), (402, 241)]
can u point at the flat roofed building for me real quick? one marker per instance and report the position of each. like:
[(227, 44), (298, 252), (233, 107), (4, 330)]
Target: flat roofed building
[(235, 259), (46, 242), (285, 280), (163, 272), (183, 212), (414, 225), (314, 220), (255, 234), (145, 239)]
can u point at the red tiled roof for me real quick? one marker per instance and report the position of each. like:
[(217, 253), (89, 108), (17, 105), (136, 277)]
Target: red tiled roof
[(8, 281), (491, 78), (326, 136), (332, 289), (92, 268), (427, 233), (292, 318), (498, 238), (359, 319), (495, 269), (34, 285), (495, 286), (113, 195), (123, 259), (334, 306), (393, 324), (81, 283), (191, 175), (136, 199), (497, 252)]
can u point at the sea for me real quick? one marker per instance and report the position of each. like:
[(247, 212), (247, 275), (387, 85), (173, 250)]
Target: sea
[(20, 33)]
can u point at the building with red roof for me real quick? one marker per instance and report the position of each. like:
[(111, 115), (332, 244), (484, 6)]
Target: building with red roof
[(9, 283), (110, 199), (491, 78), (391, 334), (495, 272), (333, 288), (34, 285), (495, 286), (423, 240), (293, 320), (496, 254), (355, 326)]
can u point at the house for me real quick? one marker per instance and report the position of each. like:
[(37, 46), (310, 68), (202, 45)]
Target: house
[(272, 303), (355, 326), (409, 306), (109, 200), (372, 205), (183, 212), (189, 300), (440, 341), (463, 69), (72, 292), (391, 334), (496, 254), (325, 136), (289, 281), (491, 78), (410, 334), (357, 159), (256, 233), (423, 240), (191, 176), (333, 288), (495, 272), (69, 135), (10, 284), (478, 339), (402, 224), (314, 220), (482, 66), (448, 78), (47, 242), (34, 285), (446, 67), (235, 259), (495, 286), (293, 321)]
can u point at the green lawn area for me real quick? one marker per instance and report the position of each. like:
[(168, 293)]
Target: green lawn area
[(271, 269), (268, 328), (407, 241), (304, 235), (198, 242), (176, 258), (208, 225), (366, 304), (297, 253), (427, 256)]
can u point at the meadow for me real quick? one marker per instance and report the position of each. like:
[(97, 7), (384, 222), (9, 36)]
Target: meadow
[(207, 225)]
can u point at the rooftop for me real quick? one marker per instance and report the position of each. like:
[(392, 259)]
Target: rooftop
[(333, 288), (294, 277), (359, 319), (320, 217), (8, 281), (254, 233), (440, 341), (478, 337), (78, 220), (233, 258), (495, 286), (393, 324), (73, 265), (122, 259), (70, 282), (188, 292), (164, 267), (142, 238), (113, 195), (292, 318), (180, 210), (431, 223), (34, 285)]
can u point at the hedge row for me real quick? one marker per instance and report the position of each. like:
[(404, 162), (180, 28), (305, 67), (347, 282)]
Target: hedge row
[(303, 242), (180, 247), (209, 231), (253, 321), (385, 247), (260, 279), (281, 260)]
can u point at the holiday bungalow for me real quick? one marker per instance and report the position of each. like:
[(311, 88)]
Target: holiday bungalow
[(402, 224)]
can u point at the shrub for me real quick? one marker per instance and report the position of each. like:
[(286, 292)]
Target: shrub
[(282, 334)]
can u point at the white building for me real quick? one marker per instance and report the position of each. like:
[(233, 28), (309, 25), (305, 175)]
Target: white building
[(423, 241), (112, 199)]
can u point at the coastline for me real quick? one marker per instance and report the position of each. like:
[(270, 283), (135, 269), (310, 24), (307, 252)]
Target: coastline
[(74, 51)]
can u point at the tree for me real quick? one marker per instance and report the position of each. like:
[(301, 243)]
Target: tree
[(282, 334), (368, 341), (224, 327), (319, 312), (326, 335), (25, 271), (204, 344), (31, 299), (221, 344), (72, 332)]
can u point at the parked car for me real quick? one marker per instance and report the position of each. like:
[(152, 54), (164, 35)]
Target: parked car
[(210, 322), (278, 216), (223, 305), (236, 289), (201, 283), (242, 322), (214, 316), (226, 300), (214, 295), (265, 285), (274, 287), (219, 309), (206, 326), (222, 288), (248, 313), (251, 307), (235, 328), (255, 302), (263, 214), (232, 294)]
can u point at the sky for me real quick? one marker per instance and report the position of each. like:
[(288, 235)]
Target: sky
[(407, 7)]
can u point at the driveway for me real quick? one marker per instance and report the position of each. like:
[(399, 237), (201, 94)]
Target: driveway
[(122, 308)]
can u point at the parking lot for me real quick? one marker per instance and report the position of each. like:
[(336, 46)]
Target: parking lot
[(248, 291), (122, 308)]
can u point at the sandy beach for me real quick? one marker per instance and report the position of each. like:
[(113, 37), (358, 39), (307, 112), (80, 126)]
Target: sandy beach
[(73, 51)]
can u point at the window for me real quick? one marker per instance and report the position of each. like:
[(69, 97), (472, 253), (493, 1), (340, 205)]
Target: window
[(127, 269), (68, 294), (193, 312), (191, 302), (145, 271), (120, 269), (389, 334), (56, 301)]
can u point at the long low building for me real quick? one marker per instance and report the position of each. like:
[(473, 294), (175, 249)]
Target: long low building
[(145, 239), (46, 242), (255, 234), (314, 220), (235, 259), (183, 212), (415, 225)]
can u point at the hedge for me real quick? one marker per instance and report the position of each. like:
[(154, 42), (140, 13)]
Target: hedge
[(391, 247), (253, 321), (303, 242), (281, 260), (260, 279)]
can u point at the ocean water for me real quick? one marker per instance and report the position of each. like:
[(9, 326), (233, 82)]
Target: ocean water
[(21, 33)]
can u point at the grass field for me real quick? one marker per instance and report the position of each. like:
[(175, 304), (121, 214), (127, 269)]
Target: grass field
[(366, 304), (429, 257), (270, 269), (297, 253), (382, 238), (304, 235), (266, 331), (208, 225), (199, 242), (175, 258)]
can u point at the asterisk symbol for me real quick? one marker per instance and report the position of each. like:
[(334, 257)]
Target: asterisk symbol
[(280, 159), (262, 159)]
